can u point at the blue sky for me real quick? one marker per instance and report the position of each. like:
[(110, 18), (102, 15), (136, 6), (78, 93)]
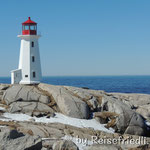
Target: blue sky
[(80, 37)]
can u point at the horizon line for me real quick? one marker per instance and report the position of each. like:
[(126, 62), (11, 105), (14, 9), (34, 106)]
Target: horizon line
[(80, 75)]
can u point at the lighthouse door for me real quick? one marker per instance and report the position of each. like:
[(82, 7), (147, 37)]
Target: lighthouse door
[(17, 77)]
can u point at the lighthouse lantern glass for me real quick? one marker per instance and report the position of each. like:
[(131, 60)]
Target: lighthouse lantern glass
[(32, 27), (26, 27)]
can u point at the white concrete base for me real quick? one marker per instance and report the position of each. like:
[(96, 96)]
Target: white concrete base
[(29, 82), (16, 76)]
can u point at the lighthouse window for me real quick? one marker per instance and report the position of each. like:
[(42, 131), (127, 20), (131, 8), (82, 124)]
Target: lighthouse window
[(26, 76), (32, 27), (32, 44), (34, 75), (26, 27), (33, 59)]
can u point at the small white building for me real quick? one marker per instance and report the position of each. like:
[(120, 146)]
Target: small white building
[(29, 71)]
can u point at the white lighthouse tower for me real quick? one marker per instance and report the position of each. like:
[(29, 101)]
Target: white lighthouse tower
[(29, 71)]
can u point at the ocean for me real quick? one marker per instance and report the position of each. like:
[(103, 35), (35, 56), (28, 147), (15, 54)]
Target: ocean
[(122, 84)]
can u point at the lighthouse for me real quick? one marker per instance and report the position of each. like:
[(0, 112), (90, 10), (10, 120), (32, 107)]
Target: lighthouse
[(29, 70)]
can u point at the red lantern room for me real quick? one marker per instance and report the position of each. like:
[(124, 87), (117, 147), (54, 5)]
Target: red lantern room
[(29, 27)]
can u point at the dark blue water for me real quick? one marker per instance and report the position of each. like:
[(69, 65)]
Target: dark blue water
[(123, 84)]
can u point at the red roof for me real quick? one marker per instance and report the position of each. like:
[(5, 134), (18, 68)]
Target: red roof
[(29, 21)]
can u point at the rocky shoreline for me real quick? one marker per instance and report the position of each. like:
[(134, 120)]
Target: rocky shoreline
[(89, 113)]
